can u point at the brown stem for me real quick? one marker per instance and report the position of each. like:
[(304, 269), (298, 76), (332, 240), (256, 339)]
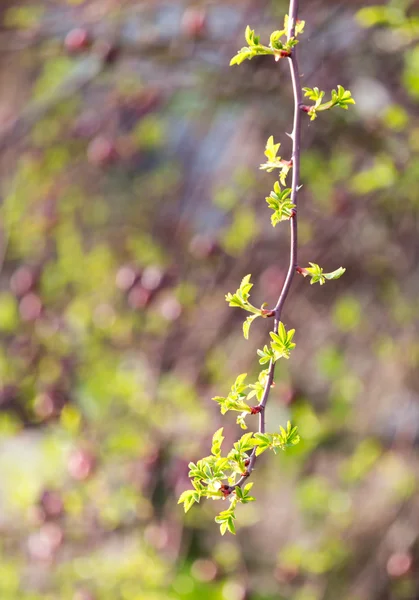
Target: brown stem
[(293, 264)]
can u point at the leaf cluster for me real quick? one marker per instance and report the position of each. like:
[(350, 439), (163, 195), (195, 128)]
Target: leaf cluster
[(340, 97), (280, 346), (274, 161), (279, 45), (317, 275), (239, 395), (286, 438), (240, 299), (216, 476), (280, 202), (236, 397)]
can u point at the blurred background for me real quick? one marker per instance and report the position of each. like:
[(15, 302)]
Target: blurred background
[(131, 203)]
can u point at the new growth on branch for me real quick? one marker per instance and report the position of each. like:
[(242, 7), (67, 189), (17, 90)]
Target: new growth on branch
[(221, 476)]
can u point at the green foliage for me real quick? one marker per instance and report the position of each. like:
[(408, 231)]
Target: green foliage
[(286, 438), (100, 398), (340, 97), (236, 398), (217, 477), (275, 161), (282, 343), (280, 346), (246, 325), (240, 299), (280, 45), (208, 475), (259, 387), (317, 276), (226, 520), (241, 296), (279, 201)]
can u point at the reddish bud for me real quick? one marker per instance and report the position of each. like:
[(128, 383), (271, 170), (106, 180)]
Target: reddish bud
[(51, 503), (77, 40), (125, 278), (81, 464), (194, 22), (245, 474), (44, 406), (22, 281), (267, 313), (225, 489), (247, 462), (170, 308), (399, 564), (30, 307), (254, 410), (101, 151), (152, 278), (139, 297)]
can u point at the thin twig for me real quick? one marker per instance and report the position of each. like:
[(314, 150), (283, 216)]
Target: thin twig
[(296, 155)]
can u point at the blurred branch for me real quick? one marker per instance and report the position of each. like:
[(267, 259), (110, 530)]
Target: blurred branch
[(85, 72)]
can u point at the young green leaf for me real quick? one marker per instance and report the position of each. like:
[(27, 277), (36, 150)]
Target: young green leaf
[(275, 40), (279, 201), (271, 149), (258, 388), (188, 499), (253, 49), (299, 25), (236, 398), (282, 343), (335, 274), (217, 440), (247, 323), (243, 495), (290, 436), (251, 38), (241, 419), (276, 441), (340, 97), (274, 161), (240, 298), (317, 275), (226, 520), (263, 442), (266, 355)]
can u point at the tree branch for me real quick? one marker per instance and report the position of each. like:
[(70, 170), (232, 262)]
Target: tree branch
[(209, 473), (296, 159)]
